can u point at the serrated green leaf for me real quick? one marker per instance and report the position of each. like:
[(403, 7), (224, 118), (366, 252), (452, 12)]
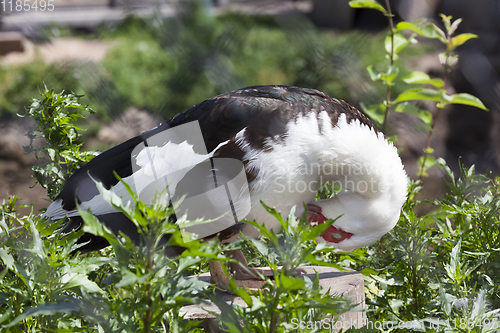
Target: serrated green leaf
[(374, 75), (83, 281), (467, 99), (388, 280), (109, 195), (45, 309), (454, 26), (445, 304), (460, 39), (421, 94), (6, 314), (259, 246), (408, 26), (7, 258), (127, 279), (400, 42), (422, 78), (375, 112), (187, 262), (51, 152), (290, 283), (408, 108), (455, 259), (241, 292), (257, 304), (94, 226), (370, 4)]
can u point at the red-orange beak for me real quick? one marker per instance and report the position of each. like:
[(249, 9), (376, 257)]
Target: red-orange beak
[(332, 234)]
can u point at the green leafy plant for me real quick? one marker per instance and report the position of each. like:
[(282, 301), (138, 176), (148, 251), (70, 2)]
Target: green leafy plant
[(147, 286), (437, 271), (286, 299), (55, 114), (434, 271), (430, 89), (38, 275), (137, 287)]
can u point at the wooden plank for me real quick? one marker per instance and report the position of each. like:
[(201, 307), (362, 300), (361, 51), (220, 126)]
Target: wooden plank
[(349, 284)]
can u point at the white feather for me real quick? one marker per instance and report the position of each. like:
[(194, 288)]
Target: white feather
[(376, 184), (350, 155), (158, 166), (55, 211)]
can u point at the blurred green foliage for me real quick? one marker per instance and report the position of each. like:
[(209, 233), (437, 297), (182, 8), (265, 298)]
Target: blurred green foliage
[(179, 62), (19, 83), (166, 65)]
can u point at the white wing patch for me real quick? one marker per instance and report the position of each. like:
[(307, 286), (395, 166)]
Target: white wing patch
[(55, 211), (159, 166)]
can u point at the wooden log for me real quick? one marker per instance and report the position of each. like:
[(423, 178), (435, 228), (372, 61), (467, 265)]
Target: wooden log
[(11, 42), (349, 284)]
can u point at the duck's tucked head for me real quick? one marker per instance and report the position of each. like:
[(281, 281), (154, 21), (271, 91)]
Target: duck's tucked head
[(332, 234), (360, 221)]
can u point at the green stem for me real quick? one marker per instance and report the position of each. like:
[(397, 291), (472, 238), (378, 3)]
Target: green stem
[(149, 312), (429, 140), (274, 314), (388, 92), (446, 68)]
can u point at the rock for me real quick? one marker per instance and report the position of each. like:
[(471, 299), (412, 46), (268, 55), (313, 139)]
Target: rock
[(129, 124), (15, 165)]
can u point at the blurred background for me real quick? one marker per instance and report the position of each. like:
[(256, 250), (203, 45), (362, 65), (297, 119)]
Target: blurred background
[(140, 62)]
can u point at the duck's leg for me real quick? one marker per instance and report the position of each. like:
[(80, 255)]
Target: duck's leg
[(241, 272), (218, 276)]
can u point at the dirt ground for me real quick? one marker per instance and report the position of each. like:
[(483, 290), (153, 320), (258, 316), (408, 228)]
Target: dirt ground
[(59, 50)]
